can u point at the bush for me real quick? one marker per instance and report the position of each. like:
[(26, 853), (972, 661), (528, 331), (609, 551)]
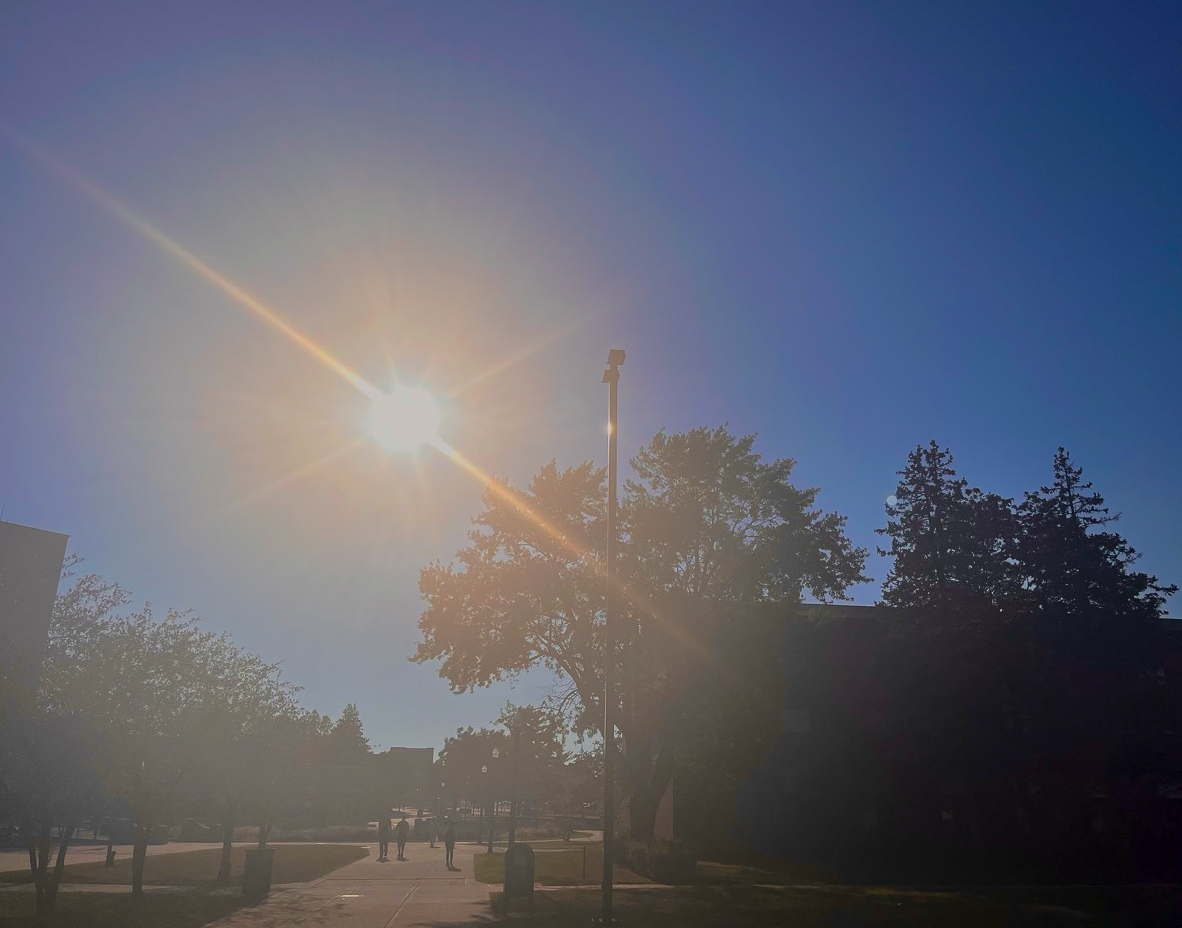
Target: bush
[(663, 860), (346, 833)]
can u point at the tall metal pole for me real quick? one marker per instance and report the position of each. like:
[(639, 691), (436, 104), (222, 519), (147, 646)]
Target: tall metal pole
[(611, 377), (513, 787)]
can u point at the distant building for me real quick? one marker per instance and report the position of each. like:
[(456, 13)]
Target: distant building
[(30, 569), (354, 793), (852, 780)]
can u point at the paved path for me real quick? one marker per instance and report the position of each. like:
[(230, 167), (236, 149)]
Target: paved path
[(368, 894)]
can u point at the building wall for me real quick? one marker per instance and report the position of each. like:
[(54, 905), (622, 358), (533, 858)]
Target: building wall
[(30, 569), (873, 775)]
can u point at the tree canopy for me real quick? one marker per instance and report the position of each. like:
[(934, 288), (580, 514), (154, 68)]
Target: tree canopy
[(705, 526), (951, 544), (157, 714)]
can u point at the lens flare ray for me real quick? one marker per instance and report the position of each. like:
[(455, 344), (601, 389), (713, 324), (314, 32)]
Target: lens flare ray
[(256, 307), (248, 301)]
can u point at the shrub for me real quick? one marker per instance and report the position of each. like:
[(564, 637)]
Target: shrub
[(663, 860)]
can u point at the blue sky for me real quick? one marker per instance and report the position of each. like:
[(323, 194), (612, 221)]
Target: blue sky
[(848, 227)]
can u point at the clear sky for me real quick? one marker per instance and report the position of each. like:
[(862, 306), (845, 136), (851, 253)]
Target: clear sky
[(848, 227)]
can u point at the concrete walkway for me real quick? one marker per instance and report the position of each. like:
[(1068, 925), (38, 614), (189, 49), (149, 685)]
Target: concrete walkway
[(367, 894)]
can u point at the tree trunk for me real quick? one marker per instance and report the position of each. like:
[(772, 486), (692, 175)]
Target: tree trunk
[(227, 845), (139, 852), (32, 854), (647, 792), (59, 866), (45, 883), (39, 864)]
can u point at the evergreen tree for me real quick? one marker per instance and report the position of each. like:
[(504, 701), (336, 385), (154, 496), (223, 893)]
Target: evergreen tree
[(1090, 642), (951, 543), (1077, 575), (346, 741)]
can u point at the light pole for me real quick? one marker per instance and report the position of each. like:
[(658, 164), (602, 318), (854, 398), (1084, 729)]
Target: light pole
[(492, 808), (611, 376), (513, 787)]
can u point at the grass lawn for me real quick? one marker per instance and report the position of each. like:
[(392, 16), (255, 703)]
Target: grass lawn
[(556, 863), (118, 910), (757, 907), (838, 906), (294, 863)]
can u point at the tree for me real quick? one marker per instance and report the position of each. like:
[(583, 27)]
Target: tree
[(467, 766), (707, 523), (166, 705), (48, 782), (1091, 627), (537, 751), (1032, 668), (952, 544), (347, 743), (1077, 575), (47, 749)]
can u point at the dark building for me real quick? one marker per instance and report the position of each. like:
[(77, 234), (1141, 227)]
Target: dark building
[(923, 758), (355, 793), (30, 568)]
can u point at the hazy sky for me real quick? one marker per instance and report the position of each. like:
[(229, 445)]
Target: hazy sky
[(848, 227)]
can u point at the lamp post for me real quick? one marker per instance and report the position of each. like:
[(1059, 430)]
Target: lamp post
[(513, 787), (611, 376), (492, 809)]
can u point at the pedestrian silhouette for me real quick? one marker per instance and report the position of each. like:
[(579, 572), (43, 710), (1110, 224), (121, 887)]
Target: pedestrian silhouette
[(400, 833), (383, 838), (449, 844)]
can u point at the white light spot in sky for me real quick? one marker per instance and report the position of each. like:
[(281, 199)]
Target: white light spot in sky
[(892, 501)]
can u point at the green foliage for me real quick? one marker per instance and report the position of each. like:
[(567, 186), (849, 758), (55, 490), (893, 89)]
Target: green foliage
[(662, 860), (708, 519), (522, 595), (347, 743), (536, 754), (1040, 672), (706, 526), (466, 765), (1077, 575), (952, 544), (158, 714)]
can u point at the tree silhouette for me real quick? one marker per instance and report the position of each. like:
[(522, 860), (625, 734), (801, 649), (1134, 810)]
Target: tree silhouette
[(952, 544), (347, 743), (706, 524)]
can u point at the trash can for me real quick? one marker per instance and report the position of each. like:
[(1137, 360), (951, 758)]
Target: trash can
[(519, 875), (256, 878)]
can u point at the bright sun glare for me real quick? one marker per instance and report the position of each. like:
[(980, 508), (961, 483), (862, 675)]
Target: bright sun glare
[(403, 419)]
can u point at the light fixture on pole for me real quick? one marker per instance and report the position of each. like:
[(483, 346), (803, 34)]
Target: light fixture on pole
[(611, 376), (492, 807)]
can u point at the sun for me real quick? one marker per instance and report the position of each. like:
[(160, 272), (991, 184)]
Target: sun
[(403, 419)]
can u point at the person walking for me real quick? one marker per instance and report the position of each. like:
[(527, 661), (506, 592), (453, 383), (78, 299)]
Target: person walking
[(383, 838), (400, 833), (433, 830), (449, 844)]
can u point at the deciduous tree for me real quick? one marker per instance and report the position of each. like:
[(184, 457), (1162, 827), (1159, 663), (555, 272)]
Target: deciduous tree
[(706, 523)]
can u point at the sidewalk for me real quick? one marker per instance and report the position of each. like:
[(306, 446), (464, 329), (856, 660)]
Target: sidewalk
[(367, 894)]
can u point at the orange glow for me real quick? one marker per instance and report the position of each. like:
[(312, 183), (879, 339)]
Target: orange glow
[(396, 421), (514, 500), (238, 294)]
